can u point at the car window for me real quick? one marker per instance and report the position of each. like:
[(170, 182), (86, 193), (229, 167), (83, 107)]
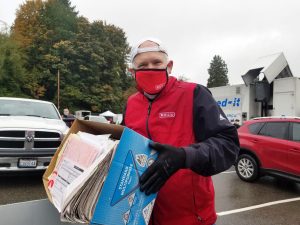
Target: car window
[(254, 128), (275, 130), (296, 131)]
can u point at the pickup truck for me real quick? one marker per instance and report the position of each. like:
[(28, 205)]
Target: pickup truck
[(30, 132)]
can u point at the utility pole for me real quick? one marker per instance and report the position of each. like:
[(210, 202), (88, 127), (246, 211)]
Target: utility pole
[(58, 78)]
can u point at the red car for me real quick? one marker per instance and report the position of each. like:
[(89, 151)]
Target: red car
[(269, 146)]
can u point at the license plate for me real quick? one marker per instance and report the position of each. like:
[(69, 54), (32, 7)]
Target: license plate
[(27, 163)]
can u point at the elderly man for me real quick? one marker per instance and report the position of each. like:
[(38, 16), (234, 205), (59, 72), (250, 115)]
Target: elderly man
[(190, 132)]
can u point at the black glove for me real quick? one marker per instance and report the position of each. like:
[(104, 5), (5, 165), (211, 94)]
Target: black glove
[(170, 159)]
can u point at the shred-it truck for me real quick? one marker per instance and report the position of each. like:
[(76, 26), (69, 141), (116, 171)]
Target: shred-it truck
[(269, 89), (286, 97)]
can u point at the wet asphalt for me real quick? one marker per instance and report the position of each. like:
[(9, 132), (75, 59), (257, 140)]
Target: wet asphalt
[(21, 188), (234, 194), (231, 194)]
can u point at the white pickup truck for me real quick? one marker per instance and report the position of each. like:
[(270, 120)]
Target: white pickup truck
[(30, 132)]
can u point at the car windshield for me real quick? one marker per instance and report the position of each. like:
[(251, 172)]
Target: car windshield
[(27, 108)]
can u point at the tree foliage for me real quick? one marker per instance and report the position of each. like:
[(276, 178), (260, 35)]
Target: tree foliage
[(27, 25), (217, 73), (12, 73), (90, 58)]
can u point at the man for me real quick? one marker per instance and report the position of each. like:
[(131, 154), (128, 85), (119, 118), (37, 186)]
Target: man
[(68, 117), (190, 132), (237, 123)]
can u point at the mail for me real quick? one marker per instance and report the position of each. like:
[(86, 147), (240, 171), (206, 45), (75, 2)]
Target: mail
[(79, 174)]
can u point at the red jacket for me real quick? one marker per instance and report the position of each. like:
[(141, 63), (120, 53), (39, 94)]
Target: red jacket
[(187, 198)]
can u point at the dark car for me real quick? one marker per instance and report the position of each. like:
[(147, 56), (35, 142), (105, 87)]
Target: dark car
[(269, 146)]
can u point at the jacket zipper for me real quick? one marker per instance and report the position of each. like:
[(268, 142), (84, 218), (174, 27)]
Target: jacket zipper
[(149, 135), (147, 120)]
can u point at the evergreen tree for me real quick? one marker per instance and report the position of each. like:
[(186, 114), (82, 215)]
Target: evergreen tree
[(217, 73)]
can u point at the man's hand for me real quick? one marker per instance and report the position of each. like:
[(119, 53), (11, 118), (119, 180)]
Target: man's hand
[(170, 159)]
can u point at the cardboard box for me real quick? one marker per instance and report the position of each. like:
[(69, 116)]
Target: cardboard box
[(120, 201)]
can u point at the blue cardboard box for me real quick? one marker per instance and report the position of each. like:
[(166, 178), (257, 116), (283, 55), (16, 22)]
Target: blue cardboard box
[(121, 201)]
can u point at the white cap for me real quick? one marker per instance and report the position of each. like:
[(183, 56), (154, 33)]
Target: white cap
[(136, 50)]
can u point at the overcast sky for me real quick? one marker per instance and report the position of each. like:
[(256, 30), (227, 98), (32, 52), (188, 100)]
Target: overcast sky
[(196, 30)]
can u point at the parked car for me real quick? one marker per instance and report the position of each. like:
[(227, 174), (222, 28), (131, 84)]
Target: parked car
[(30, 132), (99, 118), (269, 146)]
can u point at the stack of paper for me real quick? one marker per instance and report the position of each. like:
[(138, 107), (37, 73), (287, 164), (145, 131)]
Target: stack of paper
[(79, 174)]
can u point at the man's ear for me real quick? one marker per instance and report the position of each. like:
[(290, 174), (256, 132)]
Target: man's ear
[(170, 67)]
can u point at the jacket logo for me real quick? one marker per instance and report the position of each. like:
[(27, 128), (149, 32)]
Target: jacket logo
[(164, 115)]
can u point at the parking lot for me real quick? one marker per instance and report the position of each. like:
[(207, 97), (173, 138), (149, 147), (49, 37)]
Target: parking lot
[(268, 201)]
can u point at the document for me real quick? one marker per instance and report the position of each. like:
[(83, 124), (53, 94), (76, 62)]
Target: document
[(80, 157)]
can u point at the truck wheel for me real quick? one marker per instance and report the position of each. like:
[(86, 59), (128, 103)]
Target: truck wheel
[(247, 168)]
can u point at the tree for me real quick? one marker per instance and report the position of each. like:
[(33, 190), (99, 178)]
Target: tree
[(99, 62), (12, 73), (45, 30), (217, 73), (91, 57), (27, 25)]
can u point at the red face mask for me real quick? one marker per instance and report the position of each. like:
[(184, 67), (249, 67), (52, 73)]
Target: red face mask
[(151, 81)]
